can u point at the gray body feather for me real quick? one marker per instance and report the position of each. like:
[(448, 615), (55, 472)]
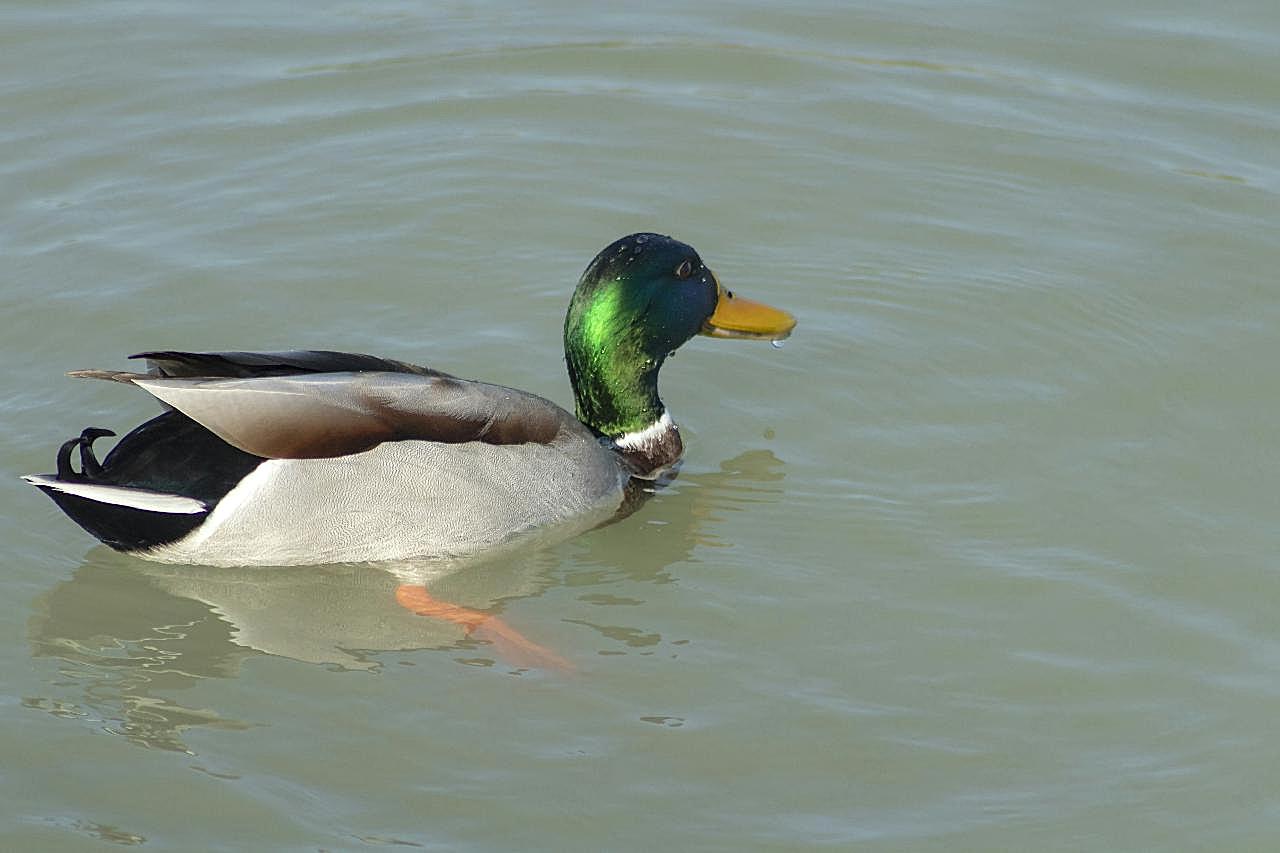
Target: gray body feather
[(402, 500), (376, 466)]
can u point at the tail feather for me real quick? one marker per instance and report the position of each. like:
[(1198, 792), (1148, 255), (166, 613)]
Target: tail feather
[(122, 496), (159, 483), (126, 519)]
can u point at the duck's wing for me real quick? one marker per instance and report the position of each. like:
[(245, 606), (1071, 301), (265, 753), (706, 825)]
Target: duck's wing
[(244, 365), (315, 415)]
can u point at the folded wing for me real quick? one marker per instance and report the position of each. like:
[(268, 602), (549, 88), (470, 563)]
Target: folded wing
[(309, 416)]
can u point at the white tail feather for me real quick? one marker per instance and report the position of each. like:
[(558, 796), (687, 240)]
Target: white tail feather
[(121, 495)]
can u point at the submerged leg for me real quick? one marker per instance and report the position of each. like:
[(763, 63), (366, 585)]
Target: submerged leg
[(512, 646)]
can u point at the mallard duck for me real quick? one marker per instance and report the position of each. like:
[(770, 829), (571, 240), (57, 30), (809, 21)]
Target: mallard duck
[(288, 458)]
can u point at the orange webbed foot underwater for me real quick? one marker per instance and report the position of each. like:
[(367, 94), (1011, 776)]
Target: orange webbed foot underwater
[(512, 646)]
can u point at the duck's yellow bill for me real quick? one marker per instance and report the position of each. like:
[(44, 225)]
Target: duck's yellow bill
[(736, 317)]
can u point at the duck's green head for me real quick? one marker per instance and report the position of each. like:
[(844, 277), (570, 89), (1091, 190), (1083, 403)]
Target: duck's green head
[(642, 297)]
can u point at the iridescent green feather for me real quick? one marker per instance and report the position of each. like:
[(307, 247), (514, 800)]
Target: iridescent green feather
[(640, 298)]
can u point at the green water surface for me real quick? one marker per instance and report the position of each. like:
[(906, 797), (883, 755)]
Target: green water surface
[(984, 559)]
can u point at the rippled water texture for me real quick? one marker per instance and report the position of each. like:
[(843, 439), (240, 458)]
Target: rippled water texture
[(983, 559)]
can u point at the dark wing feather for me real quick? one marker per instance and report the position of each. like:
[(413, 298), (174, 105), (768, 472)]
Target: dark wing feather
[(336, 414), (174, 363)]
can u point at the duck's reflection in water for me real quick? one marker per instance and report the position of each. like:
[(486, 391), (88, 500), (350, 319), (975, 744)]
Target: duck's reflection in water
[(131, 634)]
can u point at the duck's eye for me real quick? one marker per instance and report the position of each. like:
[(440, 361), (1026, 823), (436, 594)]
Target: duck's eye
[(685, 269)]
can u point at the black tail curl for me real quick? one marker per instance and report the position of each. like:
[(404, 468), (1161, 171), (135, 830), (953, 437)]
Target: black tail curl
[(170, 454), (90, 468)]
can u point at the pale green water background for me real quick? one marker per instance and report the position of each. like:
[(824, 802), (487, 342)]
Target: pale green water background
[(984, 559)]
